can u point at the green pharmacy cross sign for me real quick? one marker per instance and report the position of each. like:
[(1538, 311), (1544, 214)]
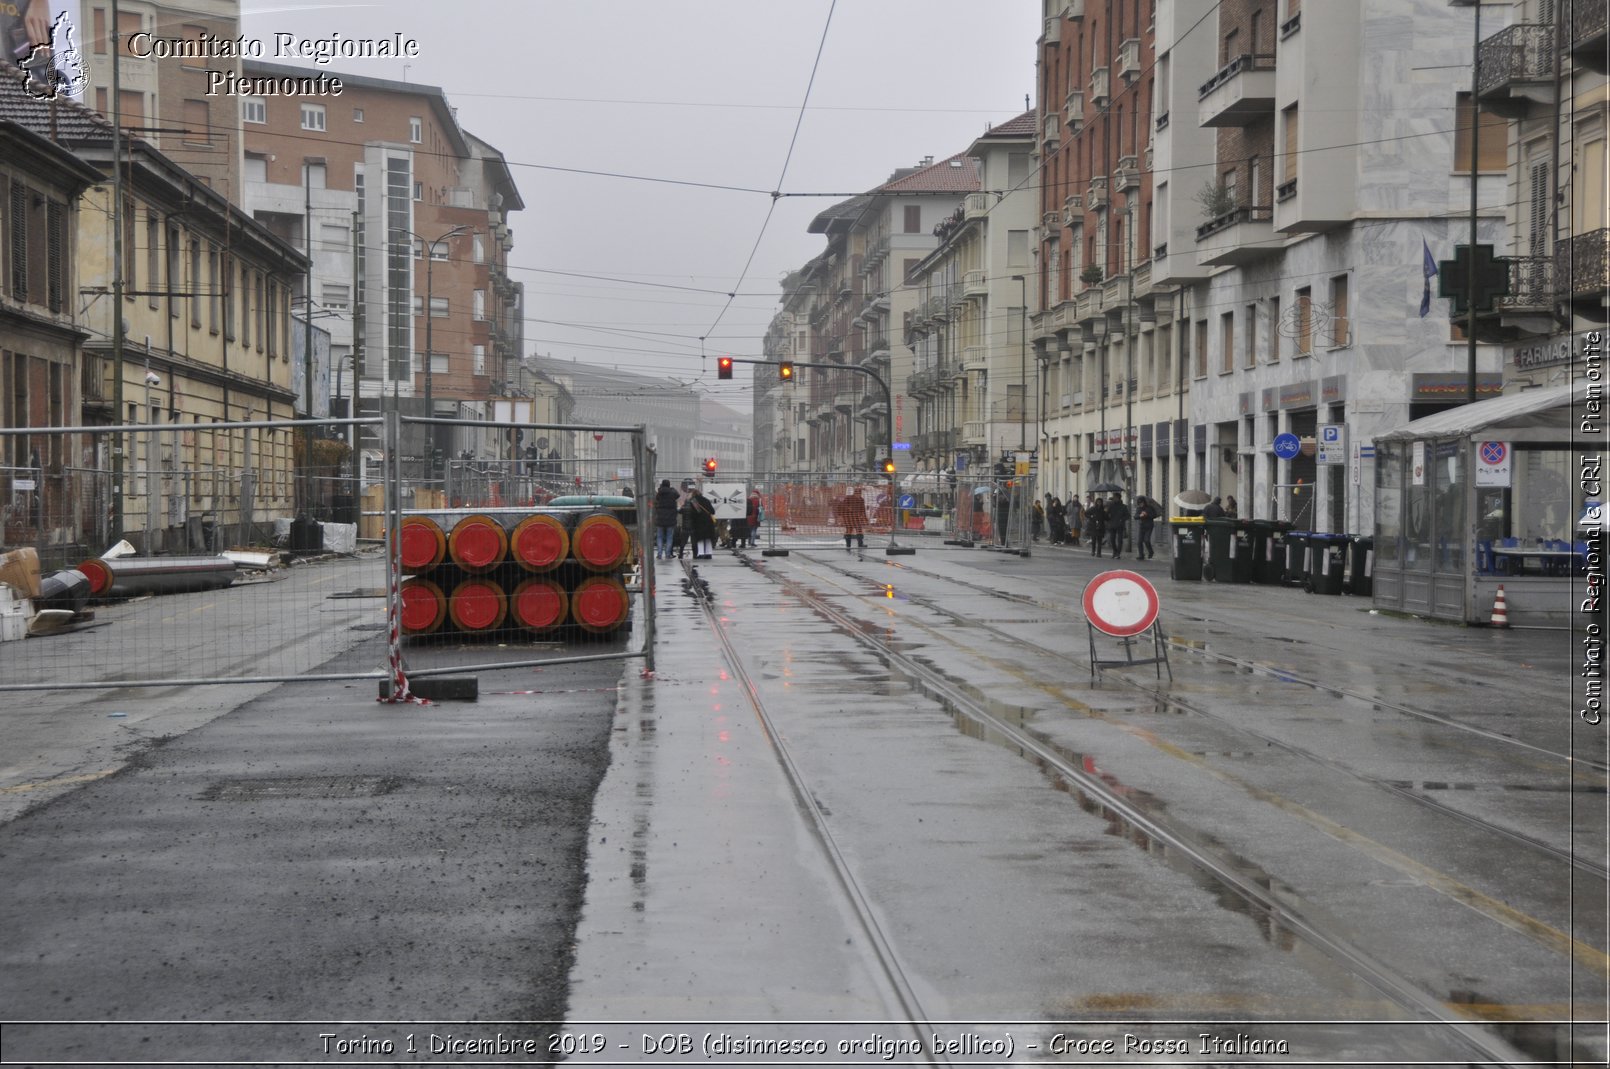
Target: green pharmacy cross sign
[(1454, 278)]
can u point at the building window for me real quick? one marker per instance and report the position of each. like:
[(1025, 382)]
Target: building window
[(1341, 332), (272, 315), (313, 117), (1227, 340), (1492, 139), (419, 249), (337, 296), (1305, 322), (913, 219), (479, 353), (477, 249), (439, 364), (478, 304), (416, 129), (153, 258), (256, 169), (1201, 349), (1274, 330), (357, 115), (212, 288), (1290, 146), (439, 250), (1249, 337), (175, 272), (253, 109), (19, 242), (197, 124), (438, 307), (419, 191), (195, 283), (1017, 248)]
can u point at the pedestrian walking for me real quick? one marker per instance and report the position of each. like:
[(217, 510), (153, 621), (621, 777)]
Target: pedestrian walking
[(665, 502), (1146, 519), (1073, 515), (1117, 525), (1003, 512), (852, 514), (1096, 524), (702, 525), (752, 518)]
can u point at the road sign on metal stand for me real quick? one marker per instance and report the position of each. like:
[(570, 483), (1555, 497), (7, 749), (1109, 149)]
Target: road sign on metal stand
[(1124, 604)]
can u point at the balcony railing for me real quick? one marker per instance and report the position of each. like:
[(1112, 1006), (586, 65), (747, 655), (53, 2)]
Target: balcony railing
[(1129, 60), (1285, 191), (1515, 62), (1096, 195), (1247, 62), (1243, 214), (1584, 35), (1531, 284), (1582, 264), (1100, 85)]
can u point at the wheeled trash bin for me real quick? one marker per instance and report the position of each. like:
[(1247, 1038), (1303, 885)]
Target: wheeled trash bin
[(1327, 561), (1185, 561), (1361, 568), (1219, 543), (1269, 551), (1297, 557)]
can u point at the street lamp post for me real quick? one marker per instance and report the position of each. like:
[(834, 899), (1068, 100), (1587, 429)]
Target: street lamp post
[(1023, 364), (430, 265)]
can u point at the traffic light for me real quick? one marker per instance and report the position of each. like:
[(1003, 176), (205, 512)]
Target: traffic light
[(724, 367), (785, 371), (888, 467), (710, 465)]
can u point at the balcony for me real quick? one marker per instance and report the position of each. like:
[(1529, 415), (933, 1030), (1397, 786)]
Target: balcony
[(973, 357), (1073, 9), (1582, 271), (1237, 237), (1240, 94), (1096, 195), (1053, 30), (976, 206), (973, 432), (975, 284), (1075, 106), (1584, 36), (1129, 60), (1052, 132), (1285, 191), (1100, 88), (1073, 210), (1126, 176), (1517, 70)]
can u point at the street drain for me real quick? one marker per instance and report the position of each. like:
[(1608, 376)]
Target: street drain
[(314, 787)]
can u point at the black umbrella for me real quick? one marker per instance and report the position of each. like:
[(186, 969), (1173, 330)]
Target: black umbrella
[(1106, 488)]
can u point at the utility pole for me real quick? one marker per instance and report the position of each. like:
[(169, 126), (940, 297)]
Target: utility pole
[(1023, 364), (117, 285)]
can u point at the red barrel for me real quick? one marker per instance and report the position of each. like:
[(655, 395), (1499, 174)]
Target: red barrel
[(478, 543), (539, 605), (99, 574), (478, 605), (539, 543), (600, 603), (422, 545), (423, 607), (600, 543)]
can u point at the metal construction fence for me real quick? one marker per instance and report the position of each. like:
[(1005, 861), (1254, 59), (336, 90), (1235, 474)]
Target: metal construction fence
[(187, 554)]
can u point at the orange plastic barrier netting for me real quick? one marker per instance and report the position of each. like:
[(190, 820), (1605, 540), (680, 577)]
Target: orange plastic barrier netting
[(539, 605), (819, 509), (424, 607), (478, 543), (600, 543), (539, 543), (478, 605), (423, 546), (600, 603)]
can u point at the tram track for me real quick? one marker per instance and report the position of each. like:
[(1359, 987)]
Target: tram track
[(1397, 789), (1260, 896)]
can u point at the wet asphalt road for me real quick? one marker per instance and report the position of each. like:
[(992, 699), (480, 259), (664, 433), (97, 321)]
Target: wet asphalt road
[(312, 856)]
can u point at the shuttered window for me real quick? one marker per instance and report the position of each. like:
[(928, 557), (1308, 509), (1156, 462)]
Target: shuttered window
[(56, 256), (1538, 215), (19, 241)]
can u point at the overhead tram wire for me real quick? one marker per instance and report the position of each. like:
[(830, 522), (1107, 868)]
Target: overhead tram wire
[(771, 209)]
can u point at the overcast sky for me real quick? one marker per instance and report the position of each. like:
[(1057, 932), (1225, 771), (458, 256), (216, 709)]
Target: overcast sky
[(690, 91)]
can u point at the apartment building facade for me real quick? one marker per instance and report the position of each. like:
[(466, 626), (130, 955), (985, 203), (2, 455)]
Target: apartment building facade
[(974, 383), (405, 216), (1112, 400)]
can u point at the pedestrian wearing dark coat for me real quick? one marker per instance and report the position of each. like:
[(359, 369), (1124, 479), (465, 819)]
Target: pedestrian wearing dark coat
[(1146, 516), (665, 502), (1096, 524), (1117, 525), (701, 525)]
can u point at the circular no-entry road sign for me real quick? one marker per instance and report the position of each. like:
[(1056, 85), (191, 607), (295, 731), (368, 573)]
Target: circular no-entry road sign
[(1120, 603)]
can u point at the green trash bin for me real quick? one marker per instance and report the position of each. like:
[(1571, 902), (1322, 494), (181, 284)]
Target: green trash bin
[(1218, 563), (1297, 557), (1186, 559), (1327, 561)]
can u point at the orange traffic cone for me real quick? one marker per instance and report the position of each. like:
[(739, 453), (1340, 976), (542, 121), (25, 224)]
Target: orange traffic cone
[(1500, 611)]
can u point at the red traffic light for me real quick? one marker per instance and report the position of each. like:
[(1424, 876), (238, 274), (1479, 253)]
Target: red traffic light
[(724, 368), (785, 370), (710, 465)]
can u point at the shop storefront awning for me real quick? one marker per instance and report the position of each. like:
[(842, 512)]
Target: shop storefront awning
[(1535, 415)]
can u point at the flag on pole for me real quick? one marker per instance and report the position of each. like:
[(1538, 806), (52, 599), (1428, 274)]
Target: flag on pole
[(1430, 271)]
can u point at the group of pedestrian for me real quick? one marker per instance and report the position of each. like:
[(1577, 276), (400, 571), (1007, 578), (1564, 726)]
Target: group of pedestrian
[(1063, 520), (686, 516)]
